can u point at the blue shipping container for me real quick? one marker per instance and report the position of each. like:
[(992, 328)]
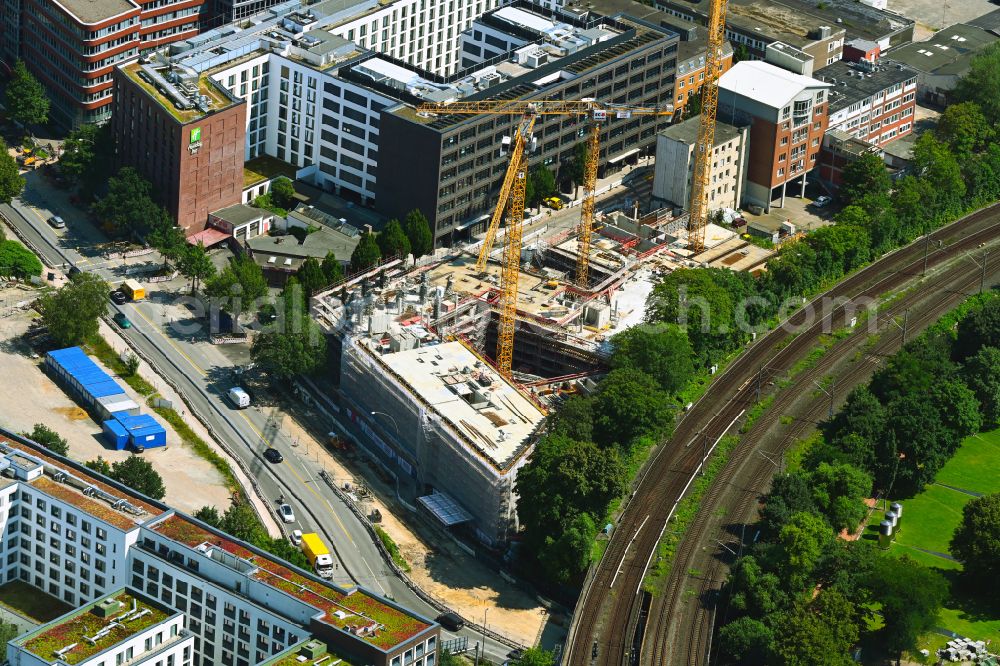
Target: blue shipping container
[(144, 430), (115, 434)]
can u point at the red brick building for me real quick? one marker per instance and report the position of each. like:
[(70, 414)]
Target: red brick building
[(787, 116), (73, 46), (189, 145)]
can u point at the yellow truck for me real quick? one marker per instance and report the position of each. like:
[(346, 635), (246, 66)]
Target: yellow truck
[(134, 290), (318, 555)]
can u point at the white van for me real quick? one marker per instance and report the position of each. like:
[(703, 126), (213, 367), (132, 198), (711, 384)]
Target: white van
[(239, 397)]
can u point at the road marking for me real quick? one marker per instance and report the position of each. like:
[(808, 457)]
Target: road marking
[(320, 497), (170, 342)]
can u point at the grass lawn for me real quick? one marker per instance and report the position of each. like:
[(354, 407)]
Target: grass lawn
[(974, 466), (32, 602), (930, 518)]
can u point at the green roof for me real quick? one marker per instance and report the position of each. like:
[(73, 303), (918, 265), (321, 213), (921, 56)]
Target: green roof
[(93, 628)]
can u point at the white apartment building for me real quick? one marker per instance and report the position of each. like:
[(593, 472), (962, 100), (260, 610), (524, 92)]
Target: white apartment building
[(674, 167), (178, 592), (874, 102)]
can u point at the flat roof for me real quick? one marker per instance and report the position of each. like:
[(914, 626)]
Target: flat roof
[(766, 83), (127, 614), (240, 214), (470, 395), (95, 11), (310, 652), (340, 608), (855, 82), (216, 94), (946, 51), (687, 131)]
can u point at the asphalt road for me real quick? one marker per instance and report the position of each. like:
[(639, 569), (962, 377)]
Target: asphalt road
[(188, 365)]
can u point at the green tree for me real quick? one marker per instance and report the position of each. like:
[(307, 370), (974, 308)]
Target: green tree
[(982, 375), (366, 254), (741, 52), (241, 281), (72, 312), (448, 659), (11, 181), (169, 240), (630, 404), (79, 151), (662, 351), (138, 474), (100, 465), (210, 515), (915, 446), (976, 542), (284, 549), (536, 656), (195, 264), (756, 592), (839, 491), (283, 193), (131, 365), (332, 268), (17, 261), (979, 328), (8, 632), (128, 205), (746, 640), (839, 249), (982, 83), (910, 596), (49, 438), (296, 348), (863, 177), (574, 418), (418, 231), (964, 128), (311, 276), (541, 184), (565, 555), (25, 99), (392, 241), (801, 542), (790, 494), (821, 632), (578, 165), (241, 521), (958, 408), (940, 170), (855, 429)]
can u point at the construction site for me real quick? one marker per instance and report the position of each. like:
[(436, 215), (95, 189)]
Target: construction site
[(418, 346)]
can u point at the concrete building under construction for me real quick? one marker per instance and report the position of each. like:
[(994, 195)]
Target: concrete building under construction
[(416, 343)]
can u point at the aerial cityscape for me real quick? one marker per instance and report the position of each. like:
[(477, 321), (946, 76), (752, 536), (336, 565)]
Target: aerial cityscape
[(502, 332)]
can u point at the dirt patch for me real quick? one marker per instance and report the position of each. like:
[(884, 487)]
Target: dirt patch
[(72, 413), (31, 397)]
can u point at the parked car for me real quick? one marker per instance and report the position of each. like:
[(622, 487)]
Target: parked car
[(122, 320), (555, 203), (118, 298), (822, 201), (296, 538), (273, 455), (57, 222), (286, 513), (515, 654)]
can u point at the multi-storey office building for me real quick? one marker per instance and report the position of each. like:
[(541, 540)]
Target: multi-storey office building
[(151, 582), (674, 169), (450, 167), (72, 46), (787, 114), (323, 104)]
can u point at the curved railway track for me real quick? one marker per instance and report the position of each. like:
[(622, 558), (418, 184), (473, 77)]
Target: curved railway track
[(680, 629), (609, 606)]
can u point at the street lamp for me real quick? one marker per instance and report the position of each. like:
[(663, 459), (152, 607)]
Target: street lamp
[(388, 416)]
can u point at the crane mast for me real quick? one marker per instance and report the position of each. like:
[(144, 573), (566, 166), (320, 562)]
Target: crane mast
[(698, 219)]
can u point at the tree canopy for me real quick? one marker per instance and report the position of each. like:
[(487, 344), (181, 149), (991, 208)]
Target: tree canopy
[(864, 177), (418, 231), (662, 351), (128, 206), (366, 254), (135, 472), (333, 270), (630, 404), (194, 263), (239, 285), (976, 542), (392, 240), (296, 347), (283, 193), (71, 313), (48, 438), (25, 98), (11, 181)]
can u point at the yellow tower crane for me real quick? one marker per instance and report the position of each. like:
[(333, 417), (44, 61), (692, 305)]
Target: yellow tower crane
[(512, 192), (698, 219)]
